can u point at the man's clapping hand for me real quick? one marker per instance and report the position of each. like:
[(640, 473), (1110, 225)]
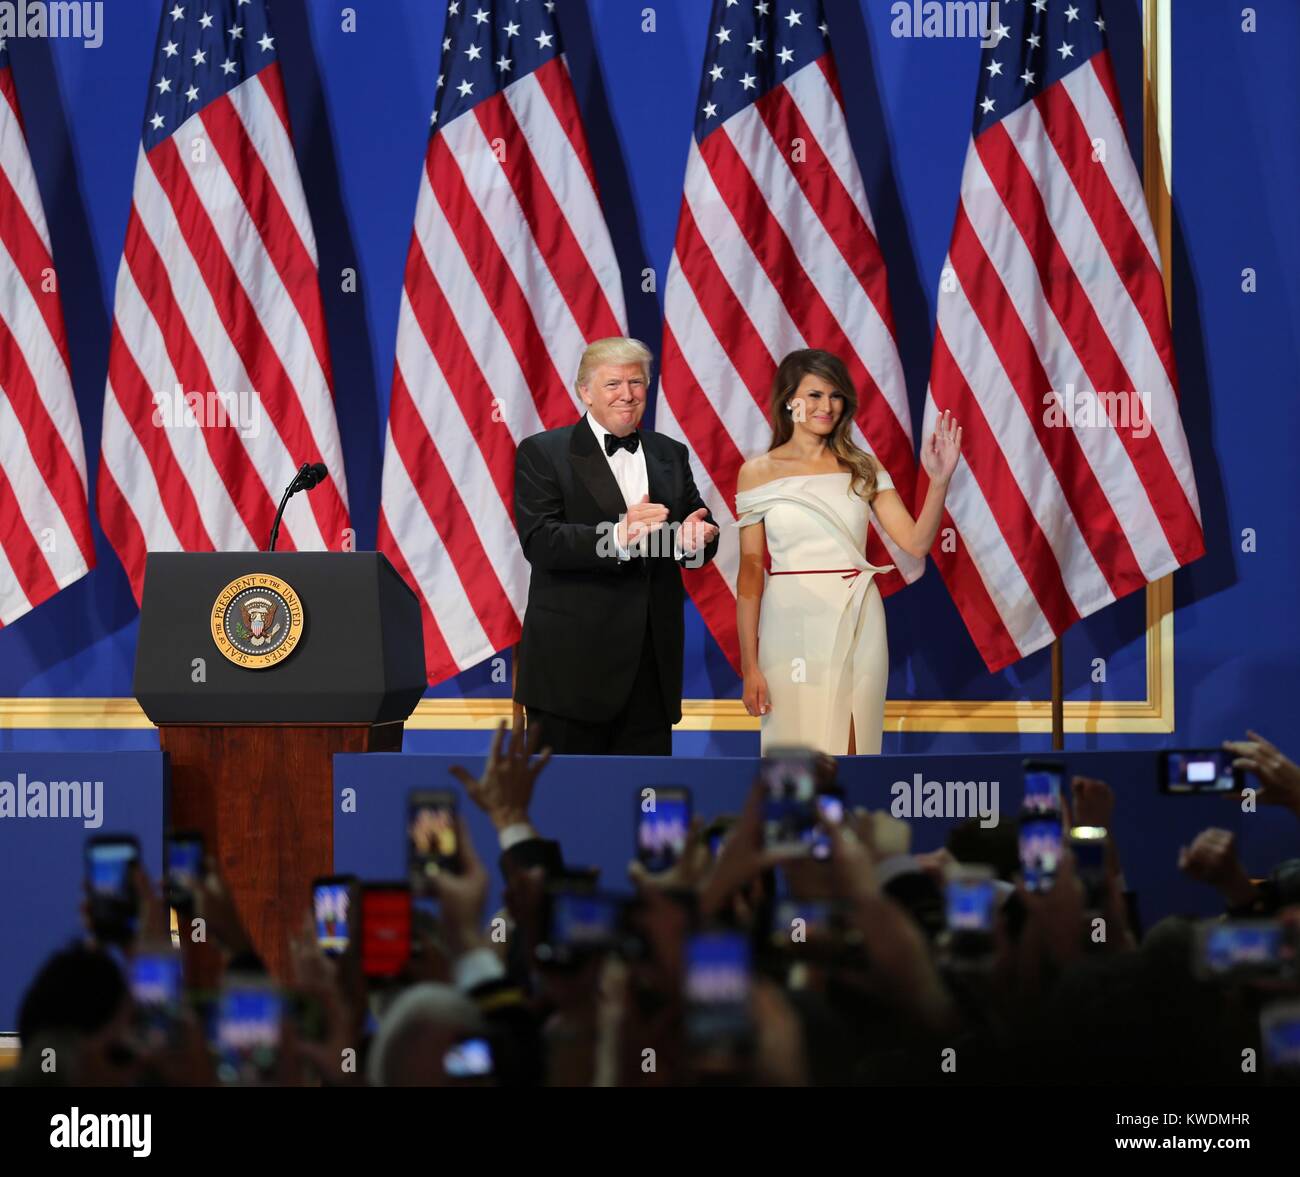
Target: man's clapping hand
[(641, 519), (697, 532)]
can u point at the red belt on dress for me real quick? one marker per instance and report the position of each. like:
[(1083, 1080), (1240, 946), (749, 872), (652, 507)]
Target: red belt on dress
[(846, 573)]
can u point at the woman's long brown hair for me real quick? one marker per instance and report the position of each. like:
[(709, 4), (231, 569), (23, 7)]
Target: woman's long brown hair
[(811, 361)]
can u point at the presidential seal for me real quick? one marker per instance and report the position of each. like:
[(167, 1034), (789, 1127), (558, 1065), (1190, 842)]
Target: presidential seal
[(257, 621)]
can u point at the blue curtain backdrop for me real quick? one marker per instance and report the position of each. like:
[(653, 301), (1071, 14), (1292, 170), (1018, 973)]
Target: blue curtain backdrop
[(360, 103)]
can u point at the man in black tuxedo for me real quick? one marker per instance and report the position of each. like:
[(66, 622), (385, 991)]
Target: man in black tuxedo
[(606, 513)]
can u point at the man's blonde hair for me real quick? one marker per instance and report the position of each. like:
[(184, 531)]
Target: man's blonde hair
[(617, 349)]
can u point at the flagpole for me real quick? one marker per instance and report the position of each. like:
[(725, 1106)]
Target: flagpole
[(1058, 698)]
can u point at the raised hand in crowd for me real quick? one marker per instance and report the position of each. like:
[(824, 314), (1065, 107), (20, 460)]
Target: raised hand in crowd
[(1278, 775), (505, 790)]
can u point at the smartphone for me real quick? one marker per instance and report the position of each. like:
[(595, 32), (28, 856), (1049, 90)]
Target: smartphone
[(331, 907), (715, 833), (114, 904), (971, 904), (663, 820), (1204, 770), (830, 812), (249, 1014), (1088, 845), (1040, 849), (798, 923), (719, 981), (790, 801), (470, 1058), (432, 841), (1279, 1032), (1043, 782), (1244, 950), (385, 929), (579, 924), (156, 993), (184, 868)]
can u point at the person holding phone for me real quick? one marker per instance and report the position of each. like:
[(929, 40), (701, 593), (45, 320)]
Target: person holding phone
[(805, 505)]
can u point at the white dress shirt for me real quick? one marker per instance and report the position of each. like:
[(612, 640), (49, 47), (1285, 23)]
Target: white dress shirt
[(629, 472), (628, 468), (633, 483)]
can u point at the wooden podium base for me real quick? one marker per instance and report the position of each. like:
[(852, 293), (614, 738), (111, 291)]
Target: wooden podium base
[(262, 796)]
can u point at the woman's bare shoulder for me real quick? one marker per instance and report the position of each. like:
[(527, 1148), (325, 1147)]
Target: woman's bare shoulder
[(755, 472)]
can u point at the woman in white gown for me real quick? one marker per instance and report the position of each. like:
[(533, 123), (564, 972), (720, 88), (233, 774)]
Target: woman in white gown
[(812, 631)]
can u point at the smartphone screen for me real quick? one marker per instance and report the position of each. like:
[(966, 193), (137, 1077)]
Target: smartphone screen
[(830, 812), (1242, 949), (184, 869), (155, 981), (583, 921), (470, 1058), (1208, 770), (663, 820), (249, 1013), (432, 841), (1040, 849), (1280, 1036), (798, 922), (331, 904), (1088, 845), (385, 929), (1043, 781), (111, 895), (718, 984), (790, 801), (971, 903)]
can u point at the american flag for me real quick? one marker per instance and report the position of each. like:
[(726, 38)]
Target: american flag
[(1053, 349), (509, 276), (219, 372), (45, 539), (775, 251)]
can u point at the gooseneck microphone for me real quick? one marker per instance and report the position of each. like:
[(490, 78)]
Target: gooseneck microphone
[(309, 475)]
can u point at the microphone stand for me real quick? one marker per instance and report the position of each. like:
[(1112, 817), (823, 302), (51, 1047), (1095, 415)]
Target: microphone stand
[(289, 492)]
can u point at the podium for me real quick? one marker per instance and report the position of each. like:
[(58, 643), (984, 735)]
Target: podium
[(257, 668)]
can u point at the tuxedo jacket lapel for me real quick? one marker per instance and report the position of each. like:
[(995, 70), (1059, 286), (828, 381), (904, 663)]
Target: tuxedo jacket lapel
[(594, 473), (659, 475)]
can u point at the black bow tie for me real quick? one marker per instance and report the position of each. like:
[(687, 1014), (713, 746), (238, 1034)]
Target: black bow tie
[(614, 444)]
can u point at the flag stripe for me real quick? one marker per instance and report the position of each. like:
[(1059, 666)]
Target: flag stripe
[(489, 280), (179, 360), (219, 383), (1028, 544), (1058, 315), (258, 354), (1102, 365), (437, 655), (1070, 472), (45, 538), (778, 257)]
